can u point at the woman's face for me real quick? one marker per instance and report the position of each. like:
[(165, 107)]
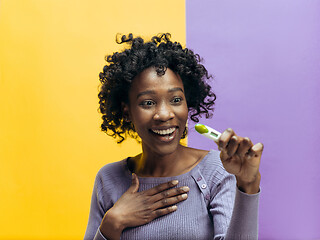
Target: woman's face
[(158, 109)]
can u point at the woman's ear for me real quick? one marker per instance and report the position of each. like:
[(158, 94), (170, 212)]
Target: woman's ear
[(125, 110)]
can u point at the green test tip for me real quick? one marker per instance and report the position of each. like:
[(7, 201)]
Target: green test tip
[(201, 128)]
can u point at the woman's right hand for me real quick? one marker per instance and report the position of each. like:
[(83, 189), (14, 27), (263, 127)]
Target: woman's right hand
[(138, 208)]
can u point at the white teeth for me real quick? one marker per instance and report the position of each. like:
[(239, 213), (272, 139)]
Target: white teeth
[(164, 132)]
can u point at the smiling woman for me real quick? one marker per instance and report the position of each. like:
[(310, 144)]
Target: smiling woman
[(149, 90), (160, 54)]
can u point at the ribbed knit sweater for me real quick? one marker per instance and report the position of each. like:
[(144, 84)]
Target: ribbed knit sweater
[(214, 209)]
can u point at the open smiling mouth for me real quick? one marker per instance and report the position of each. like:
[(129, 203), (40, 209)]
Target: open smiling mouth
[(165, 135)]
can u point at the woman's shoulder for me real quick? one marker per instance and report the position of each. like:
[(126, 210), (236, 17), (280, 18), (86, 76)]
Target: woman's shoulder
[(211, 159), (210, 164), (205, 157), (114, 170), (111, 181)]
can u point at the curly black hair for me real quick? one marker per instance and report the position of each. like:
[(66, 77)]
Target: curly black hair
[(161, 53)]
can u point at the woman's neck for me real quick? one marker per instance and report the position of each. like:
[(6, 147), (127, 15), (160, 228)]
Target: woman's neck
[(148, 164)]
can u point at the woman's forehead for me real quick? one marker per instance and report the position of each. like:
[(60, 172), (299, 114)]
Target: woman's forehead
[(149, 79)]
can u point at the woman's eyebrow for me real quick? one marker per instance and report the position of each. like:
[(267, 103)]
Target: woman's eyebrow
[(146, 92), (154, 92), (175, 89)]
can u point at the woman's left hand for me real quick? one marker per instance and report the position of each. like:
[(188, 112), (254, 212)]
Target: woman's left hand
[(240, 157)]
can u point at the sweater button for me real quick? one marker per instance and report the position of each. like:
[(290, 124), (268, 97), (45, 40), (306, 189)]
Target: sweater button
[(199, 179), (203, 186)]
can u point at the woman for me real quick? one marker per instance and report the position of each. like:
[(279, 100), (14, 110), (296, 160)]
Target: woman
[(169, 191)]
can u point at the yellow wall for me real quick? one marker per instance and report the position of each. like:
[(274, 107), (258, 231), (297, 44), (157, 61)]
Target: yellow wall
[(51, 147)]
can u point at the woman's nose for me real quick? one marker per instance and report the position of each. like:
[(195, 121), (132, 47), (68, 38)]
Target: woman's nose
[(163, 113)]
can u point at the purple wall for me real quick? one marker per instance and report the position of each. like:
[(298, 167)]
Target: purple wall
[(265, 58)]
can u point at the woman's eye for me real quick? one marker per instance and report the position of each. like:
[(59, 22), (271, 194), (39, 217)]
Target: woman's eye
[(147, 103), (177, 100)]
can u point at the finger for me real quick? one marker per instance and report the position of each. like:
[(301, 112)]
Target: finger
[(256, 150), (170, 193), (244, 147), (161, 212), (161, 187), (224, 156), (224, 138), (170, 201), (233, 145), (134, 184)]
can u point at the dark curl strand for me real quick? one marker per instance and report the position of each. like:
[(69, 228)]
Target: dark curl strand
[(161, 53)]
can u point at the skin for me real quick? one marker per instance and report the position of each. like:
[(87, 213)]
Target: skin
[(158, 103)]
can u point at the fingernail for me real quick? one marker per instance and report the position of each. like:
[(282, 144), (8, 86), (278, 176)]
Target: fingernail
[(258, 147), (261, 145), (185, 189), (132, 176), (184, 196), (174, 182), (174, 207)]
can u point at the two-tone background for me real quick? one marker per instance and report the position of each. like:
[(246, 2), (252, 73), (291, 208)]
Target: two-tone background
[(265, 59)]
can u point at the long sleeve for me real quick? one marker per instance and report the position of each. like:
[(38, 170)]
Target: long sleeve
[(96, 214), (244, 221), (235, 214), (110, 183)]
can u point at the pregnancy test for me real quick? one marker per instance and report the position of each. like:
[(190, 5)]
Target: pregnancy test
[(208, 132)]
